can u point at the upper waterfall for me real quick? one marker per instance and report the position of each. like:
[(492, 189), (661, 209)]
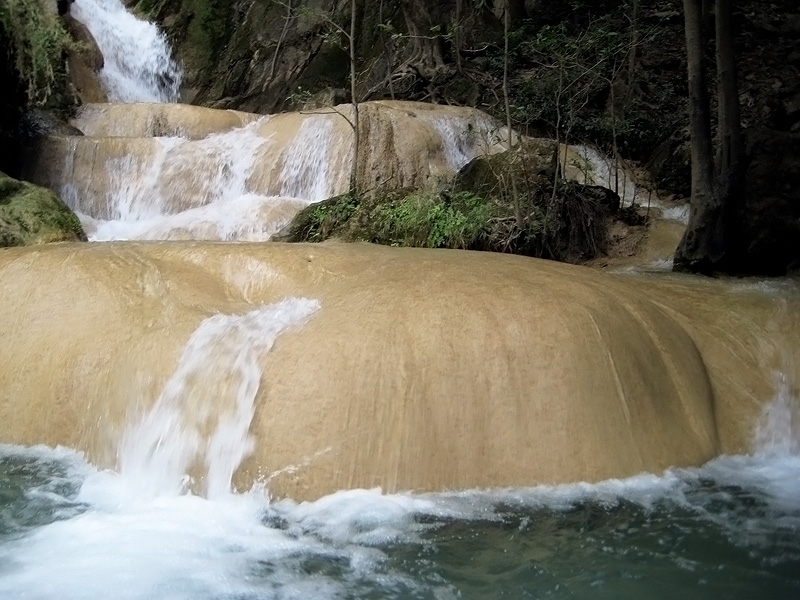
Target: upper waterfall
[(138, 60), (173, 171)]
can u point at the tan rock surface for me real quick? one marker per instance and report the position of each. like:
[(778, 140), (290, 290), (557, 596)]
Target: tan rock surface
[(423, 370)]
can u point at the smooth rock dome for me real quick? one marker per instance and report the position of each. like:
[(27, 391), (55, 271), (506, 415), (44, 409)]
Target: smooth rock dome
[(423, 370)]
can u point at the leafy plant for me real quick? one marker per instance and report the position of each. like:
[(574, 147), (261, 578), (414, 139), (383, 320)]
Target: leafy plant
[(327, 217), (432, 220), (36, 40)]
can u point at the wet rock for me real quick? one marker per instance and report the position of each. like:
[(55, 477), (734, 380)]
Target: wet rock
[(84, 61), (32, 215), (39, 122)]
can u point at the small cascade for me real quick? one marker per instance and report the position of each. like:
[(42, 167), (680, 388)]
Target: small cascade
[(199, 424), (182, 172), (187, 189), (587, 165), (463, 138), (138, 60), (306, 168), (778, 432)]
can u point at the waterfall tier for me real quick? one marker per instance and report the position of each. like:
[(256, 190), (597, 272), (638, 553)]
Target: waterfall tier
[(158, 171), (423, 370)]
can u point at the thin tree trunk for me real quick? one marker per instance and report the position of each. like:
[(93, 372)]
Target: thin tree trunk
[(279, 44), (457, 33), (634, 43), (354, 100), (514, 192), (702, 247)]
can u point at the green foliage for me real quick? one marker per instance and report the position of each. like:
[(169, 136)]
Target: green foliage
[(432, 220), (36, 41), (325, 218), (210, 27)]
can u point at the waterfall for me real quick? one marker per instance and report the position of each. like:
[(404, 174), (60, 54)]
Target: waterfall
[(778, 432), (202, 416), (138, 60), (463, 138), (237, 185)]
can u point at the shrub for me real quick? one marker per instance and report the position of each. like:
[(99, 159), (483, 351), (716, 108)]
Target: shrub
[(431, 220)]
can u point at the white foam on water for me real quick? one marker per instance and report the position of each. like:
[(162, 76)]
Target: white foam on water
[(138, 64), (148, 540)]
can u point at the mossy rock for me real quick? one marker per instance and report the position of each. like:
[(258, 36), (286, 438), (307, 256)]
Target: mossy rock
[(30, 215), (570, 225)]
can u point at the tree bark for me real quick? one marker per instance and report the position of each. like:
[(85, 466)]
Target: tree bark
[(426, 46), (702, 247), (729, 137)]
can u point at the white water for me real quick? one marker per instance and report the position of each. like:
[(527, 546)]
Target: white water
[(206, 189), (200, 421), (138, 61), (308, 161), (138, 534), (596, 169), (464, 139)]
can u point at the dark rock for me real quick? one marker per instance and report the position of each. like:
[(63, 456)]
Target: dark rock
[(84, 62), (63, 6), (41, 122)]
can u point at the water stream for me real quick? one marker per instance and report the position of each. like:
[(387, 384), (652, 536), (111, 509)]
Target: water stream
[(138, 64)]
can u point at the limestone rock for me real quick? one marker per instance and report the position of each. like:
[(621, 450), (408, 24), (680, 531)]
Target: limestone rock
[(84, 62), (422, 370)]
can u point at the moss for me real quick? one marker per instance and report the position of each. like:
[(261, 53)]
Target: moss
[(33, 215)]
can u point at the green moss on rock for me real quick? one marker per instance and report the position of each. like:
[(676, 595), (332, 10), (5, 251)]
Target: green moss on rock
[(30, 215)]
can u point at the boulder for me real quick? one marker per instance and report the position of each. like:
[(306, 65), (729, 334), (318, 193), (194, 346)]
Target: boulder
[(31, 215)]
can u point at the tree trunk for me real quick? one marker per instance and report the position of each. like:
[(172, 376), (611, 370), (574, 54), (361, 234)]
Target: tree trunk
[(702, 248), (511, 176), (729, 138), (426, 47), (354, 100)]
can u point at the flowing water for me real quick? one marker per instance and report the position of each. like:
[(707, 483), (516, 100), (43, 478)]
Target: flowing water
[(68, 531), (138, 64), (166, 523), (201, 189)]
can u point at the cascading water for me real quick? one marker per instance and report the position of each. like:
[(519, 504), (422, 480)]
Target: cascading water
[(206, 189), (138, 64), (245, 183), (68, 532), (200, 420)]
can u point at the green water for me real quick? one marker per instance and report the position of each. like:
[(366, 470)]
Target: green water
[(729, 530)]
